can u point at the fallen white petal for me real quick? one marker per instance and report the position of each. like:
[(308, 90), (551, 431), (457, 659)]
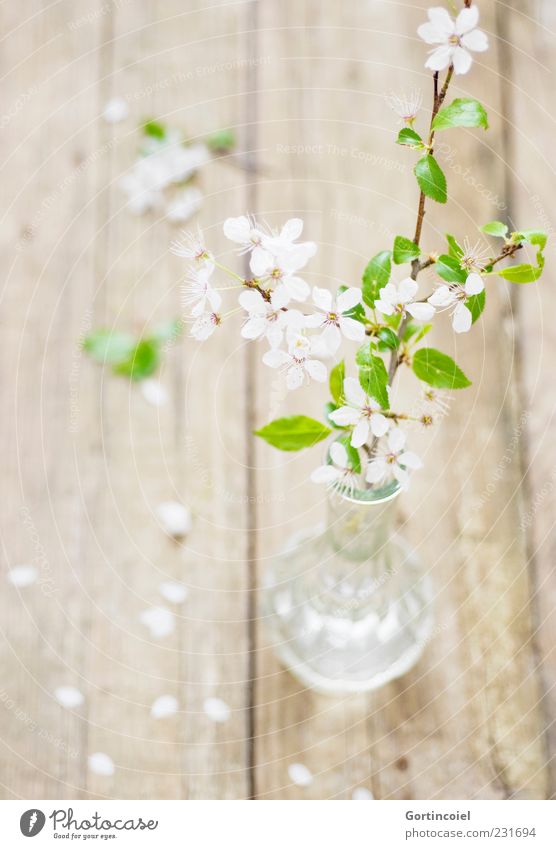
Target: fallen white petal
[(158, 620), (164, 706), (101, 764), (173, 592), (116, 110), (174, 517), (69, 697), (154, 392), (300, 775), (216, 709), (22, 576), (361, 793)]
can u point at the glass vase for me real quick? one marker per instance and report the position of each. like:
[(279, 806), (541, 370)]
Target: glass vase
[(348, 606)]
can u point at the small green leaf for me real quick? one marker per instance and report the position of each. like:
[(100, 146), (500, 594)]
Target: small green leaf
[(533, 237), (405, 250), (450, 270), (373, 376), (141, 363), (476, 304), (416, 332), (292, 433), (108, 346), (462, 112), (221, 141), (375, 276), (336, 381), (410, 138), (438, 369), (431, 179), (455, 249), (353, 454), (495, 228), (387, 339), (154, 129), (525, 273)]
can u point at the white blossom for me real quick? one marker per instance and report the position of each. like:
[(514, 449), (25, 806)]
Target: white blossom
[(361, 412), (175, 518), (280, 271), (454, 38), (205, 325), (158, 620), (300, 775), (406, 106), (332, 317), (23, 576), (216, 709), (116, 110), (197, 295), (395, 461), (339, 473), (101, 764), (401, 298), (298, 361), (264, 320), (246, 233), (164, 706), (456, 295), (192, 246), (184, 205), (69, 697)]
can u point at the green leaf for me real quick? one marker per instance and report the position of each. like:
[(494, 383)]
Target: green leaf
[(373, 376), (154, 129), (476, 304), (221, 141), (431, 179), (525, 273), (353, 454), (450, 270), (142, 361), (416, 330), (375, 276), (166, 332), (455, 249), (462, 112), (410, 138), (405, 250), (292, 433), (108, 346), (336, 381), (387, 339), (495, 228), (438, 369), (533, 237)]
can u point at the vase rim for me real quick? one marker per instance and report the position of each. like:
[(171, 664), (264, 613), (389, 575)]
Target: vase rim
[(370, 497)]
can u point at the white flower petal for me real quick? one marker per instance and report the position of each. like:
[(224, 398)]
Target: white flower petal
[(440, 58), (442, 20), (462, 319), (175, 518), (331, 338), (295, 377), (173, 592), (69, 697), (411, 460), (300, 775), (23, 576), (407, 289), (352, 329), (259, 264), (280, 297), (360, 432), (164, 706), (462, 60), (254, 327), (116, 110), (396, 439), (376, 470), (322, 299), (325, 475), (345, 416), (237, 229), (158, 620), (422, 312), (339, 455), (216, 709), (276, 358), (101, 764), (474, 284), (347, 300), (316, 370), (291, 230), (354, 393), (467, 20), (431, 34), (297, 288), (442, 296), (476, 40), (252, 301), (401, 475), (379, 424), (384, 307)]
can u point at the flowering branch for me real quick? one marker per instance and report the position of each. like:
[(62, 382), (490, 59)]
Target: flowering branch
[(384, 317)]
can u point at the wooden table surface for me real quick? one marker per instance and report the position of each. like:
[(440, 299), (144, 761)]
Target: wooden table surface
[(86, 460)]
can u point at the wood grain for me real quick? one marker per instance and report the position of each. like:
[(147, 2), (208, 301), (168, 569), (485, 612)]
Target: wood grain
[(87, 460)]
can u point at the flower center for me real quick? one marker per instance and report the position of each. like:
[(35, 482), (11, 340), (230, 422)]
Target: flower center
[(333, 318), (454, 39), (276, 273)]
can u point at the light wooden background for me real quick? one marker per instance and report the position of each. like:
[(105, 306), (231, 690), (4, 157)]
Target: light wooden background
[(85, 460)]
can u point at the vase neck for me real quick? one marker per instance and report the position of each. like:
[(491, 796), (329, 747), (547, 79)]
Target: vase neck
[(359, 530)]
